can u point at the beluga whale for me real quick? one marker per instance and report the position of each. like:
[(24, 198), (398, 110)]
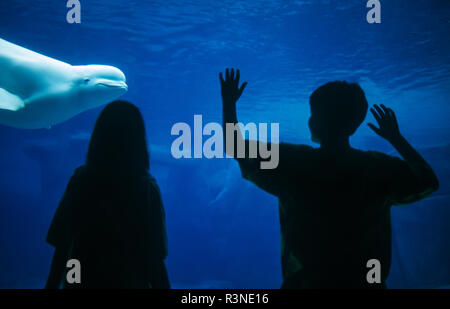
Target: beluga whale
[(37, 91)]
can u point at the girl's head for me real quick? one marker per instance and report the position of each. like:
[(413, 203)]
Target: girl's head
[(118, 146)]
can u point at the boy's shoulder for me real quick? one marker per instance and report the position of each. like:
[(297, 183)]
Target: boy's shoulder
[(296, 148), (380, 160), (377, 155), (289, 152), (306, 149)]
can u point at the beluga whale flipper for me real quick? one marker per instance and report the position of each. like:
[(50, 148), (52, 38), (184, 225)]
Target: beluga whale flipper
[(38, 92)]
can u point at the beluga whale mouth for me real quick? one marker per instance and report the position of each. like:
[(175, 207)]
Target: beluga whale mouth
[(108, 83), (54, 91)]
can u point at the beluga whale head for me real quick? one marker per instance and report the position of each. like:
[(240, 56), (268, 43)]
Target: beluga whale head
[(99, 84), (38, 92)]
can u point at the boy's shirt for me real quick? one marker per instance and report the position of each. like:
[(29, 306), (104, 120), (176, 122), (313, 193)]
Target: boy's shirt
[(334, 210)]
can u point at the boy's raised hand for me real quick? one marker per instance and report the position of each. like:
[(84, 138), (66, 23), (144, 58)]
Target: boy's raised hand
[(231, 91), (387, 122)]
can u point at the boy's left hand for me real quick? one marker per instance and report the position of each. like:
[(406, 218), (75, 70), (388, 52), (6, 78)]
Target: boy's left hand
[(231, 92)]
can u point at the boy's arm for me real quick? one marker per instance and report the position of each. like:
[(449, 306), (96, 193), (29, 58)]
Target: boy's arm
[(273, 178), (389, 130), (236, 145), (231, 93)]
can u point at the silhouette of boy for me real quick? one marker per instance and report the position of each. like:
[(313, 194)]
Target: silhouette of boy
[(334, 201)]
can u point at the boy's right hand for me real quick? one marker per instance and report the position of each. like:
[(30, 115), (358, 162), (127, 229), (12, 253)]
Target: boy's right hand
[(387, 122)]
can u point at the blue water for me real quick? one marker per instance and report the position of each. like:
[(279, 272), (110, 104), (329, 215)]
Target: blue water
[(224, 232)]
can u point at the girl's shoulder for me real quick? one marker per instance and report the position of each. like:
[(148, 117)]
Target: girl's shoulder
[(79, 172), (77, 178), (151, 183), (149, 179)]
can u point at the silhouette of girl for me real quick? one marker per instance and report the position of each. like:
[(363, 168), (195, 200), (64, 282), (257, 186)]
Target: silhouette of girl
[(111, 217)]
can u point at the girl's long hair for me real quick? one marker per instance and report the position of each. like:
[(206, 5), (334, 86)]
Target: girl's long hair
[(117, 151), (111, 217)]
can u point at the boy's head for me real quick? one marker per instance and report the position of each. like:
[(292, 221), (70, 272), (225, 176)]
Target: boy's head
[(337, 110)]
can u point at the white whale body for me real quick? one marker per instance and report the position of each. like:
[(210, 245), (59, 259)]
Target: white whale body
[(38, 92)]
